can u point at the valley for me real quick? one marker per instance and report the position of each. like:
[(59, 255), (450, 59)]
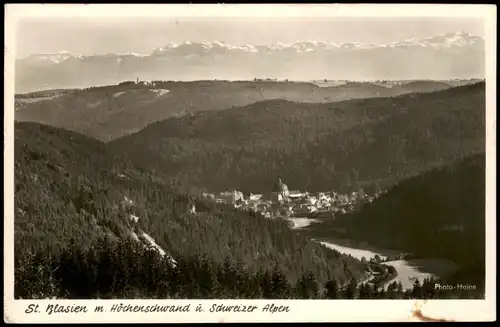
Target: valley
[(131, 177)]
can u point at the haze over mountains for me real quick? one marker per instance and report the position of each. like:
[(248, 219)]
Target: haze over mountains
[(446, 56)]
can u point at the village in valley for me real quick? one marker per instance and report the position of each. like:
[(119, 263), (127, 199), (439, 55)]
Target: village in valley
[(283, 203)]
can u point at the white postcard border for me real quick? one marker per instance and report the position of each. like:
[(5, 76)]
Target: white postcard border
[(299, 310)]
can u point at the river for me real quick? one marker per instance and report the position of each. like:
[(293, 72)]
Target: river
[(408, 270)]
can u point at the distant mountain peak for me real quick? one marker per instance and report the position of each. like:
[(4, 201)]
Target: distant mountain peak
[(300, 46), (445, 39), (51, 58), (428, 57)]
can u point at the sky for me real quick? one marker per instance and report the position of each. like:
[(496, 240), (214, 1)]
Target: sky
[(89, 36)]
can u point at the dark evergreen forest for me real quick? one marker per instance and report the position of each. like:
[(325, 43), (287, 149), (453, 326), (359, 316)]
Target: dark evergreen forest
[(363, 143), (69, 194), (74, 236)]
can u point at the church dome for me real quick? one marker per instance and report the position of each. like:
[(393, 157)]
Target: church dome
[(281, 187)]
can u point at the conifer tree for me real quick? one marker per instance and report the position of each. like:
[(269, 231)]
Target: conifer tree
[(331, 288), (280, 289), (417, 292), (351, 291)]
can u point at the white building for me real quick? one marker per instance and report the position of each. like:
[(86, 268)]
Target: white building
[(312, 200), (230, 197), (296, 194), (255, 197)]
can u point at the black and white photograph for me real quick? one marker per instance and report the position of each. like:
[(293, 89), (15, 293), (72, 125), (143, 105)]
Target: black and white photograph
[(218, 156)]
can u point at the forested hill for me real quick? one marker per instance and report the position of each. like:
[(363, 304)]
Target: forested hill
[(343, 146), (70, 194), (109, 112), (439, 214)]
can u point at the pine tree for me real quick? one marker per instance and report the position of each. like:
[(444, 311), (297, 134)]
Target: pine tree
[(365, 291), (400, 287), (391, 290), (351, 291), (205, 278), (280, 289), (331, 288), (417, 292), (307, 286), (265, 282)]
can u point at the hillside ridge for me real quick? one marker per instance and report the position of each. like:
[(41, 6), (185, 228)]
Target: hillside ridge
[(112, 111), (317, 146)]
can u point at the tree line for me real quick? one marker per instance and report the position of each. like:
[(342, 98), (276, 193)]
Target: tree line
[(118, 269)]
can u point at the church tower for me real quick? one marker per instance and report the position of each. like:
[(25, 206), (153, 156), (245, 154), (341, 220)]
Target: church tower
[(282, 189)]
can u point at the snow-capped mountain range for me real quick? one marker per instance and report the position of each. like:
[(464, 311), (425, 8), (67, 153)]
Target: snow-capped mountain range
[(450, 55)]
